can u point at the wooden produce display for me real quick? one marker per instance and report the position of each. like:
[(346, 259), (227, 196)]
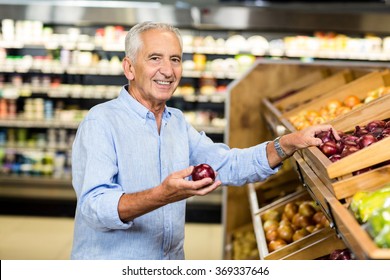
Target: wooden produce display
[(333, 184), (246, 127), (330, 106), (275, 187), (312, 183), (275, 111), (288, 90), (321, 241), (314, 90), (250, 99), (334, 173), (286, 97), (354, 234)]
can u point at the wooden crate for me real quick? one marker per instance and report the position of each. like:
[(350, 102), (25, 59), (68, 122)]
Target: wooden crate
[(273, 117), (363, 182), (314, 186), (272, 114), (344, 222), (333, 173), (313, 91), (312, 246), (299, 84), (359, 87), (354, 234), (284, 182)]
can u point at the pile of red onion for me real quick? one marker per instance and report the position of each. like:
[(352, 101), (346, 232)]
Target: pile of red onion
[(341, 254), (361, 137)]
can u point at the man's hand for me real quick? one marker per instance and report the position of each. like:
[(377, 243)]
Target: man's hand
[(175, 187), (305, 138), (297, 140)]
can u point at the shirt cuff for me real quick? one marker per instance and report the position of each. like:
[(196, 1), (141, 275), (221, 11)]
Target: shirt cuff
[(263, 160), (108, 211)]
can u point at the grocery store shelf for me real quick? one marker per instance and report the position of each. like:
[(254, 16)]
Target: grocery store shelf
[(22, 123), (38, 123), (27, 186), (30, 187), (44, 196)]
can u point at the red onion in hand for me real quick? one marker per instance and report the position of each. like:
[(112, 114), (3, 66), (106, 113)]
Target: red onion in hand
[(329, 148), (202, 171), (326, 136)]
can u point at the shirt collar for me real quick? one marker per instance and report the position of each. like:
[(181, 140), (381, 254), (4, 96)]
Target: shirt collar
[(137, 107)]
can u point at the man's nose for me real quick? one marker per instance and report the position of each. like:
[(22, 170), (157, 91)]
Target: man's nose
[(166, 68)]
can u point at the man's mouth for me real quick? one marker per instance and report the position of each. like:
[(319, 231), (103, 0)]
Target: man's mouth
[(165, 83)]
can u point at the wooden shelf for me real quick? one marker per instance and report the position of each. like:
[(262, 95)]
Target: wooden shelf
[(248, 126)]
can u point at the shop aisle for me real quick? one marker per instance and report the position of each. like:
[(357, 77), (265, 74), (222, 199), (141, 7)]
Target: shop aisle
[(46, 238)]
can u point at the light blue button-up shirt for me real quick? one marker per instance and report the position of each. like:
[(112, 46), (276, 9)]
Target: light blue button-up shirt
[(118, 150)]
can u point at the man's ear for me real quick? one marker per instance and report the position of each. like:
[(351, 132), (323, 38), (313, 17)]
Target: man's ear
[(128, 68)]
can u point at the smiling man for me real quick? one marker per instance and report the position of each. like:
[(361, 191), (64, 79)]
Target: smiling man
[(132, 158), (155, 71)]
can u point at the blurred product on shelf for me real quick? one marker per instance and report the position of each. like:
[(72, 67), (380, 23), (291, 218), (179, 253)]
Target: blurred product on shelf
[(244, 245)]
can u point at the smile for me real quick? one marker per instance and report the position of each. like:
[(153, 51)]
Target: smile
[(163, 82)]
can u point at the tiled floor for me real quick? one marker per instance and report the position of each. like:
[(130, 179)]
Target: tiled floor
[(42, 238)]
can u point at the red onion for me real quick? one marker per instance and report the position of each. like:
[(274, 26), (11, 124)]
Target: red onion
[(349, 150), (340, 146), (377, 132), (341, 254), (386, 132), (202, 171), (387, 124), (359, 131), (361, 171), (350, 140), (366, 140), (335, 157), (329, 148), (326, 136), (374, 124)]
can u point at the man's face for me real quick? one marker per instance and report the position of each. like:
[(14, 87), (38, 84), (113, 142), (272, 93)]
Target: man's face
[(158, 69)]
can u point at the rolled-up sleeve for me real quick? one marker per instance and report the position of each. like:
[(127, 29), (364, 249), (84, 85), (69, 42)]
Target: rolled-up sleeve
[(234, 166), (94, 169)]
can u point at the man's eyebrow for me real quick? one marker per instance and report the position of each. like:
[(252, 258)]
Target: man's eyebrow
[(154, 54)]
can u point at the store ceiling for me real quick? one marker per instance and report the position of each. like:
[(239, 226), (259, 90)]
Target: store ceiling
[(338, 17)]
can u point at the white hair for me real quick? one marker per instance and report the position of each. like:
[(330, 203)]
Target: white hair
[(133, 41)]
